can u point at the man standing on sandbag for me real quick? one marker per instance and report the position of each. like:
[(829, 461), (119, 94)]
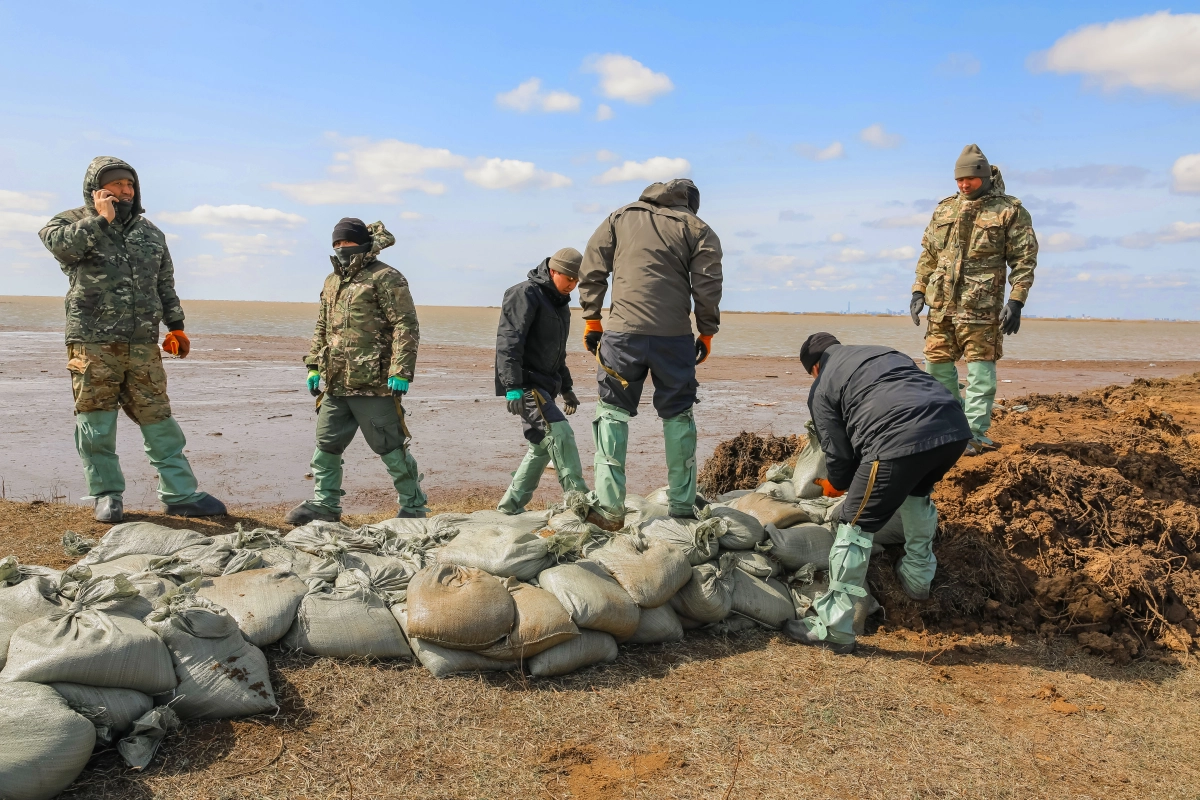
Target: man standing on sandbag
[(365, 347), (531, 371), (122, 286), (889, 432), (663, 259), (973, 236)]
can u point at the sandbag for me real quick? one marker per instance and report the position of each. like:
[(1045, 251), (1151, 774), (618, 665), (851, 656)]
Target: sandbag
[(162, 577), (810, 465), (708, 596), (760, 565), (541, 623), (593, 598), (111, 711), (345, 620), (142, 538), (443, 662), (389, 574), (462, 608), (650, 570), (219, 558), (639, 510), (91, 641), (13, 572), (26, 601), (139, 747), (780, 490), (331, 539), (44, 745), (767, 602), (698, 539), (657, 626), (263, 602), (125, 565), (305, 565), (525, 522), (803, 596), (500, 551), (769, 511), (590, 647), (822, 510), (743, 532), (807, 543)]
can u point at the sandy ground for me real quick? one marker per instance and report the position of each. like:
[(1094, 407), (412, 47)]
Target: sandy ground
[(249, 420)]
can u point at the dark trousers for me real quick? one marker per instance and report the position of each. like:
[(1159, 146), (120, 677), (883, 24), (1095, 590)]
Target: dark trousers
[(538, 413), (897, 479), (670, 361)]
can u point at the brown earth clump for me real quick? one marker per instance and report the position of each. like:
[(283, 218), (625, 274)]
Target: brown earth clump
[(742, 462)]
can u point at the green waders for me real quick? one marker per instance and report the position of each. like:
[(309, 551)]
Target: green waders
[(557, 448), (980, 395), (918, 564), (610, 428), (679, 433), (164, 442), (848, 561), (947, 375), (96, 441)]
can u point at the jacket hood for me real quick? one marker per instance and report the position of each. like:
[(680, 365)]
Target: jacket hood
[(92, 177), (671, 193), (540, 276), (997, 181)]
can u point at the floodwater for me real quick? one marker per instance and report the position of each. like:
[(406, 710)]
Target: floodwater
[(741, 333)]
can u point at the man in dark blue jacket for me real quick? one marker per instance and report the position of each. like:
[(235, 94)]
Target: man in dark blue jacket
[(531, 371), (889, 432)]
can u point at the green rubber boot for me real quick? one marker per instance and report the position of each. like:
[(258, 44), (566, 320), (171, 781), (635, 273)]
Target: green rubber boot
[(981, 395), (403, 469), (848, 561), (164, 442), (917, 566), (679, 432), (947, 375), (96, 441), (610, 429), (327, 481), (526, 479)]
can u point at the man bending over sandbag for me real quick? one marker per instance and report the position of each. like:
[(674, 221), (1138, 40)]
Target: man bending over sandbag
[(531, 371), (889, 432), (365, 347)]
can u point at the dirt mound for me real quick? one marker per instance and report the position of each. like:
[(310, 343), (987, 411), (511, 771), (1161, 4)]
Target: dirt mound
[(741, 462), (1086, 523)]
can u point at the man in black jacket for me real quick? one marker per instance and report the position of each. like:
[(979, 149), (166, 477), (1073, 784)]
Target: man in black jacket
[(531, 371), (889, 432)]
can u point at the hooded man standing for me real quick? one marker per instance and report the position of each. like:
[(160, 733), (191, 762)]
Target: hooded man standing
[(663, 260), (973, 236), (122, 286), (365, 347), (531, 371)]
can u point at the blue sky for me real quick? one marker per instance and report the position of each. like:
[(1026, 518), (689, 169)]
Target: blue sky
[(820, 137)]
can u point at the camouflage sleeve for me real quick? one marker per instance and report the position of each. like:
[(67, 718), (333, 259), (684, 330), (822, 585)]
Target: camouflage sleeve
[(313, 359), (593, 274), (396, 301), (172, 310), (927, 261), (1021, 255), (705, 269), (69, 241)]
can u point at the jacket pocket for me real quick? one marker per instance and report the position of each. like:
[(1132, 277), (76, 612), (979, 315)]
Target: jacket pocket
[(935, 289), (988, 238), (941, 234), (979, 292), (363, 370)]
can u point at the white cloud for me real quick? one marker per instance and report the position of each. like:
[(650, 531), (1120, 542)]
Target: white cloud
[(16, 222), (905, 253), (959, 64), (1066, 242), (24, 201), (603, 112), (902, 221), (1099, 176), (411, 215), (659, 168), (876, 136), (834, 150), (249, 244), (232, 215), (1155, 53), (606, 155), (850, 255), (210, 266), (623, 78), (529, 96), (1186, 173), (508, 173), (837, 237), (588, 208), (1175, 233), (789, 215)]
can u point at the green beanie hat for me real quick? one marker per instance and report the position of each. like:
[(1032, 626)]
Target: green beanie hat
[(972, 164)]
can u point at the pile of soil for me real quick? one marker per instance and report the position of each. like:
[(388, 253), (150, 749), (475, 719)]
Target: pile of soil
[(742, 462), (1086, 523)]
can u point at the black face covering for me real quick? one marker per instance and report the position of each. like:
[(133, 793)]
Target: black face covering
[(124, 210), (346, 254)]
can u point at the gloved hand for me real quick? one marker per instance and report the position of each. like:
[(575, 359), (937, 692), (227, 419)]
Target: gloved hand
[(827, 489), (516, 399), (176, 343), (915, 305), (703, 348), (1010, 317), (570, 402), (314, 380), (592, 331), (398, 384)]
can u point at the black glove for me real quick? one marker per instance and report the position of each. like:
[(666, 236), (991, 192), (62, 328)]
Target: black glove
[(591, 340), (915, 305), (1010, 317), (570, 402)]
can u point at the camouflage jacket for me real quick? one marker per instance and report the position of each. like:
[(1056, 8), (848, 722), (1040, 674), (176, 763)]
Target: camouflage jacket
[(965, 252), (122, 277), (366, 326)]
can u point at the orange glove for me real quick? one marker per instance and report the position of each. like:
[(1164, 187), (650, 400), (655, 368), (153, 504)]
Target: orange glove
[(827, 488), (592, 331), (703, 348), (176, 343)]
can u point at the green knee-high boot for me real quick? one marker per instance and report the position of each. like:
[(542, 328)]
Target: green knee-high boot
[(526, 479), (402, 467), (679, 433), (917, 566), (164, 442), (327, 480), (947, 375), (981, 395), (610, 429), (96, 441), (565, 455), (848, 561)]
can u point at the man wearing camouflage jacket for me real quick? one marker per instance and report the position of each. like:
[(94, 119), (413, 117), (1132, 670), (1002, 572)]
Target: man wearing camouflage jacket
[(122, 286), (973, 240), (365, 347)]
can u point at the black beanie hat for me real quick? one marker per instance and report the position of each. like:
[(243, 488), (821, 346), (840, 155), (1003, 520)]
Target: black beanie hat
[(350, 229), (814, 347)]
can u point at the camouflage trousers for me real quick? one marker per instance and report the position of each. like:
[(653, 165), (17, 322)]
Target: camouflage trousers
[(946, 341), (111, 375)]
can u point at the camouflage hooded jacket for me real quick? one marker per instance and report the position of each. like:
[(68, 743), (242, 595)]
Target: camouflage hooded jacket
[(122, 277), (366, 326), (965, 252)]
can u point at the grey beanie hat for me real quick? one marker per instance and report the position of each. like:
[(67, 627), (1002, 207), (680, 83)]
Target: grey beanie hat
[(567, 262), (972, 163), (114, 173)]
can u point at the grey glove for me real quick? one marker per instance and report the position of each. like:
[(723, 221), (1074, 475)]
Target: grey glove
[(1010, 317), (516, 399), (570, 402), (915, 305)]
